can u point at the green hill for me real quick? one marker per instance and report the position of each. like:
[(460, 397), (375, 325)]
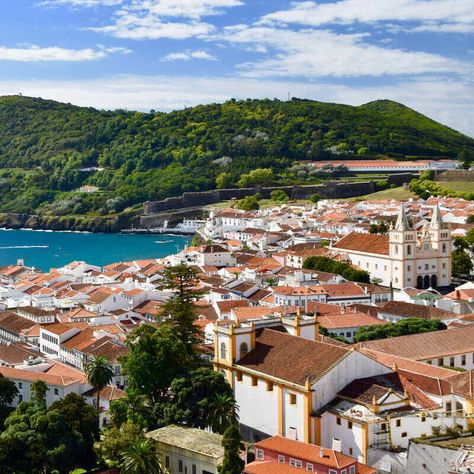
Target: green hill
[(44, 145)]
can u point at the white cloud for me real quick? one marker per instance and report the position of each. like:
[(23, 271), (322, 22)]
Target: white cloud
[(315, 53), (447, 101), (458, 15), (82, 3), (188, 55), (35, 53), (175, 19)]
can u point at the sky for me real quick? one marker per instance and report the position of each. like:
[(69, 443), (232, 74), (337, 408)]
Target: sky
[(170, 54)]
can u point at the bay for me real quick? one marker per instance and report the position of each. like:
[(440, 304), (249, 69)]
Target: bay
[(45, 250)]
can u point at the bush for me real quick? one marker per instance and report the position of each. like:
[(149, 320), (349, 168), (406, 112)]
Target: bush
[(249, 203), (315, 198), (326, 264), (279, 196)]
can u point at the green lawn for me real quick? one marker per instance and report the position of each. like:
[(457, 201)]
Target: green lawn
[(463, 186), (395, 193)]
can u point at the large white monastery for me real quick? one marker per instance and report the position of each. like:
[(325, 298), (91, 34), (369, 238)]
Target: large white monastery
[(405, 257)]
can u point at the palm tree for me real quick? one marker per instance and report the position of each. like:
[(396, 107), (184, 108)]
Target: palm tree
[(224, 413), (99, 374), (140, 458)]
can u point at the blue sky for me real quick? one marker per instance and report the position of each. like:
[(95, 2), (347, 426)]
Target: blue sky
[(167, 54)]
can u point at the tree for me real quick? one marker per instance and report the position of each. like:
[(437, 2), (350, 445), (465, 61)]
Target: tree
[(223, 413), (38, 393), (461, 263), (279, 196), (249, 203), (223, 180), (315, 198), (465, 158), (99, 374), (326, 264), (140, 457), (180, 310), (115, 441), (195, 397), (256, 177), (232, 443), (156, 357), (8, 392), (400, 328), (82, 418), (470, 219), (132, 408)]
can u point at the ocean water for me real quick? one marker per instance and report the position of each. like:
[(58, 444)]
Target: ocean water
[(45, 249)]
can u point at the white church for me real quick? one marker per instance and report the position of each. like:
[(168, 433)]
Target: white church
[(405, 257)]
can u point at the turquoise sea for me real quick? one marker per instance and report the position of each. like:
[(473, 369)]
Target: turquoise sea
[(44, 249)]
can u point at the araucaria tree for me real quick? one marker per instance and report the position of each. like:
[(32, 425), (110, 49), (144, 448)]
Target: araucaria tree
[(180, 310)]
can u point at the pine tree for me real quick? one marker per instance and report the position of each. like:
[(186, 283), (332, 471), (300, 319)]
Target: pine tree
[(232, 443)]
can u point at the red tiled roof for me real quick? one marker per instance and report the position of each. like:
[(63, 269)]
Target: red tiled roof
[(368, 243)]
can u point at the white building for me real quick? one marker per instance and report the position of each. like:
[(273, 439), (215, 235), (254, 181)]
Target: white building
[(404, 257)]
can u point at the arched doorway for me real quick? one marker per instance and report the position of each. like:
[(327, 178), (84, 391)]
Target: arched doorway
[(419, 282), (426, 281), (434, 281)]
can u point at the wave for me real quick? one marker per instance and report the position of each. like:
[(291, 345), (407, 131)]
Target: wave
[(163, 241), (9, 247)]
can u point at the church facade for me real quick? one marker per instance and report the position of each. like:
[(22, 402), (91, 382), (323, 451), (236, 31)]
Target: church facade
[(405, 257)]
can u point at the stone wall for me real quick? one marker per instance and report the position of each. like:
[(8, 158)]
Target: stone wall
[(429, 459), (330, 190)]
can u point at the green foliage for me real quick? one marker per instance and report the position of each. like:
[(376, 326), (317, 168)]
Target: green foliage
[(180, 310), (223, 180), (325, 332), (461, 263), (315, 198), (381, 185), (256, 177), (8, 392), (115, 441), (400, 328), (156, 357), (426, 188), (38, 440), (44, 145), (326, 264), (470, 219), (249, 203), (202, 398), (380, 228), (427, 174), (232, 443), (466, 157), (141, 457), (279, 196), (99, 374)]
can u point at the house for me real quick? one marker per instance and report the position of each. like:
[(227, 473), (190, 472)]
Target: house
[(104, 300), (394, 311), (215, 255), (14, 328), (282, 372), (188, 450), (271, 453), (405, 257)]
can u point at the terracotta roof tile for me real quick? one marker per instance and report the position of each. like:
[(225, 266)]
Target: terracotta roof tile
[(368, 243)]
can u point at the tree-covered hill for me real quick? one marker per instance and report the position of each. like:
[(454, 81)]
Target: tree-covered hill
[(48, 149)]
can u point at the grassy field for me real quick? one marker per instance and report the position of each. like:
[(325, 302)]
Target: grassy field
[(395, 193), (463, 186)]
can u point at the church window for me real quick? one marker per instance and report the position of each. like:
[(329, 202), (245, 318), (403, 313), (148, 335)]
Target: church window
[(444, 248), (408, 249), (223, 351), (244, 348), (396, 248)]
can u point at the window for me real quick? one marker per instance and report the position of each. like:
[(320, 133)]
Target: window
[(351, 451), (349, 425), (223, 351), (451, 361), (440, 361), (20, 384), (244, 348), (194, 469), (167, 461), (332, 471), (343, 471), (338, 421), (408, 268), (399, 423), (449, 408), (444, 248), (423, 418), (292, 399), (408, 249), (180, 466), (281, 459), (463, 360), (260, 455), (459, 409), (254, 381), (56, 391), (269, 386), (309, 467), (352, 470), (239, 376), (296, 462), (404, 434)]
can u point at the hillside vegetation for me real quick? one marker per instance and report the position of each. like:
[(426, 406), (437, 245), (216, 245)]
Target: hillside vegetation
[(45, 147)]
